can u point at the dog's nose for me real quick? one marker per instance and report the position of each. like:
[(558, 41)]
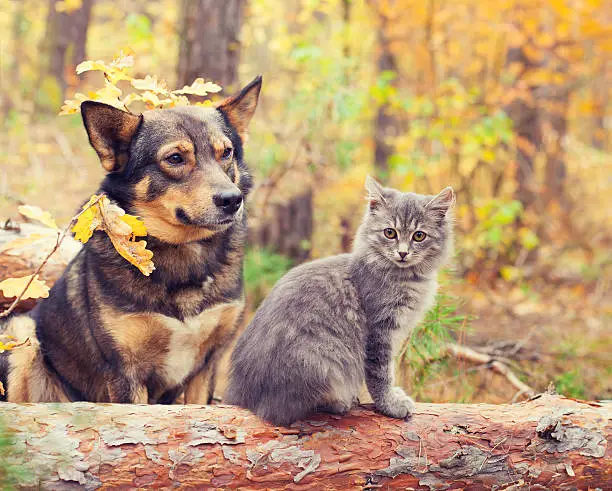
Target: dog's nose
[(402, 254), (228, 201)]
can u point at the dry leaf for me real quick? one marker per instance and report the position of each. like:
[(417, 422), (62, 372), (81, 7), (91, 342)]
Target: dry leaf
[(150, 83), (199, 87), (121, 228), (38, 214), (9, 346), (12, 287)]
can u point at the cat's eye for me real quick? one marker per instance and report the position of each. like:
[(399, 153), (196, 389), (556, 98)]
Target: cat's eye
[(227, 153), (175, 159), (419, 236), (390, 233)]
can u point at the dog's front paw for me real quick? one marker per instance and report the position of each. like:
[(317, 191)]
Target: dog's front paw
[(396, 404)]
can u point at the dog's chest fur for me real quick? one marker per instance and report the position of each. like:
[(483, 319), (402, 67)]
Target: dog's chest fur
[(191, 311), (173, 349)]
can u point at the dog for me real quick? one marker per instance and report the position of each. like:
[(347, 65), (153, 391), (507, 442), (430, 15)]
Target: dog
[(107, 333)]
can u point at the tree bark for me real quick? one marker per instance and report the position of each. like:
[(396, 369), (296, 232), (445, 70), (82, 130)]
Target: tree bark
[(386, 125), (65, 40), (525, 115), (546, 443), (210, 45), (285, 227)]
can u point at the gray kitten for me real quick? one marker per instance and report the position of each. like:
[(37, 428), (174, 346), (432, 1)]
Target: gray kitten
[(330, 323)]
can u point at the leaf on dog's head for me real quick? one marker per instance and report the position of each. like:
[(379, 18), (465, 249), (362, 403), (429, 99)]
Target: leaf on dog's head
[(198, 87), (150, 83), (100, 214), (12, 287), (38, 214)]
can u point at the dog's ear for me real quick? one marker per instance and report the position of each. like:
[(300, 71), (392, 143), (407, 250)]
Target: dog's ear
[(239, 108), (110, 132)]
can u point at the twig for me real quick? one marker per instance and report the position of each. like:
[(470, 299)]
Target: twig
[(60, 238), (465, 353)]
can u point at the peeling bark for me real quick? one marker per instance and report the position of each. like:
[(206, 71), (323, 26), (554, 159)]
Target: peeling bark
[(547, 443)]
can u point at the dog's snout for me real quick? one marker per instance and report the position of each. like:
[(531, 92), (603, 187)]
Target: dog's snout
[(228, 201)]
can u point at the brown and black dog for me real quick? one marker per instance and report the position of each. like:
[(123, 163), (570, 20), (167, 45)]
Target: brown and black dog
[(107, 333)]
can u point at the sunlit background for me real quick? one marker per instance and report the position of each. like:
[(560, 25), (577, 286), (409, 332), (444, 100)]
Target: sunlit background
[(509, 101)]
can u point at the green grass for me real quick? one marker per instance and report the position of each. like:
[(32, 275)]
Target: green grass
[(262, 269), (571, 384)]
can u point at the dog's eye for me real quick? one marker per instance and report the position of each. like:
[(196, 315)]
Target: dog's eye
[(227, 153), (175, 159), (419, 236), (390, 233)]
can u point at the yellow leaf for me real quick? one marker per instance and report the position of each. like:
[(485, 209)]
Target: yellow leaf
[(68, 6), (72, 106), (150, 98), (121, 228), (88, 221), (134, 252), (150, 83), (91, 65), (10, 346), (109, 94), (131, 97), (12, 287), (199, 87), (38, 214), (137, 225), (124, 60)]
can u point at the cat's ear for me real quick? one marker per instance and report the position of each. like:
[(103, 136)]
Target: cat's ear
[(375, 193), (441, 203)]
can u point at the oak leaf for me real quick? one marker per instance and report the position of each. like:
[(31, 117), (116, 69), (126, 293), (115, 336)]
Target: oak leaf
[(12, 287), (199, 87), (100, 214)]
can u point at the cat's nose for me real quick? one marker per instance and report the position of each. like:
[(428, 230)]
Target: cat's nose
[(402, 254)]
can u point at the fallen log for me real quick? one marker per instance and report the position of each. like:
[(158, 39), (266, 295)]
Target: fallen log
[(547, 443)]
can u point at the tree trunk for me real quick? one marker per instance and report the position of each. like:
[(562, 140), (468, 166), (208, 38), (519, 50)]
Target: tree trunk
[(547, 443), (65, 41), (80, 25), (210, 45), (285, 227), (386, 124), (524, 113)]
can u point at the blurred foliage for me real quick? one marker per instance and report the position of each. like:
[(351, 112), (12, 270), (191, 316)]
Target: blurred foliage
[(262, 269), (571, 384)]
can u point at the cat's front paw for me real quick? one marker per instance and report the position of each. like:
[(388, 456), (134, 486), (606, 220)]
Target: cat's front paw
[(396, 404)]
